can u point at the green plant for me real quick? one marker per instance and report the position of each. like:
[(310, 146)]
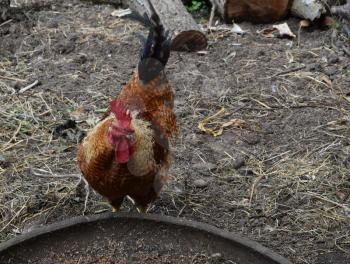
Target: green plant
[(195, 6)]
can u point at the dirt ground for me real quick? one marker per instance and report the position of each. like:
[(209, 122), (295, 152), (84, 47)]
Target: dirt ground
[(282, 180)]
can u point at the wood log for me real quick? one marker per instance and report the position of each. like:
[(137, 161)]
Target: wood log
[(343, 11), (311, 10), (257, 11), (115, 3), (187, 34)]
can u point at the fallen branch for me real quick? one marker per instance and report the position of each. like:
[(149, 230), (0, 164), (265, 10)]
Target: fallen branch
[(284, 72), (187, 34), (30, 86), (343, 11), (211, 18), (105, 2)]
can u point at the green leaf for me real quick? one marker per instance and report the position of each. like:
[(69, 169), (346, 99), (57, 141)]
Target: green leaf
[(196, 5)]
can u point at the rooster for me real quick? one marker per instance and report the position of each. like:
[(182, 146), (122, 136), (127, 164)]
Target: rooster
[(127, 152), (258, 11)]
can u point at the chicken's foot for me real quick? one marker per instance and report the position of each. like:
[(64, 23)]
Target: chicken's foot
[(141, 209), (116, 204)]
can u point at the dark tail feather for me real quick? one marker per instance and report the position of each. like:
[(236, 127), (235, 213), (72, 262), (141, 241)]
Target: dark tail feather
[(156, 48)]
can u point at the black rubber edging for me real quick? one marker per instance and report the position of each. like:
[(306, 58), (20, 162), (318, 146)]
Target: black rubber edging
[(249, 244)]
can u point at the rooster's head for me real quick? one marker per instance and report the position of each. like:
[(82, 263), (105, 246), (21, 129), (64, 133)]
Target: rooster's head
[(121, 135)]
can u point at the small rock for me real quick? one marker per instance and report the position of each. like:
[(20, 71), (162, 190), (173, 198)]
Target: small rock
[(200, 183), (238, 163), (252, 139), (76, 199), (308, 9), (53, 23), (347, 212), (269, 228), (267, 129), (341, 195), (81, 59), (261, 53), (178, 190), (4, 163), (17, 86), (333, 58), (201, 166), (314, 67), (193, 138), (216, 255), (2, 158), (59, 129), (242, 221), (331, 70)]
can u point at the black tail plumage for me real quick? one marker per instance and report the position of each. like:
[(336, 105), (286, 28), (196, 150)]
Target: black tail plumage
[(156, 48)]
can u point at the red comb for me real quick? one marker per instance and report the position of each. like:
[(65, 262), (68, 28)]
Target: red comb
[(120, 111)]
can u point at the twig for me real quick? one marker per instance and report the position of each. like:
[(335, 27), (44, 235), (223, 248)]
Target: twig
[(30, 86), (14, 217), (11, 79), (328, 200), (285, 72), (182, 209), (211, 18), (37, 172), (261, 103), (289, 71), (6, 22), (13, 136), (339, 247), (255, 183), (11, 146), (131, 200)]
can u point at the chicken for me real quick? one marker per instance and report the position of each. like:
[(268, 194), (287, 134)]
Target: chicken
[(127, 153), (258, 11)]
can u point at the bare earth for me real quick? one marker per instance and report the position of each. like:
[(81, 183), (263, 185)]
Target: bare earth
[(282, 180)]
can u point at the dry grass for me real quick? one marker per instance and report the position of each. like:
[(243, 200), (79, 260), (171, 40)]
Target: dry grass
[(28, 122), (39, 174)]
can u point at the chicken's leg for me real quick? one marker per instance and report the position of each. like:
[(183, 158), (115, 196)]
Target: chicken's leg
[(139, 208), (142, 202), (116, 204), (142, 209)]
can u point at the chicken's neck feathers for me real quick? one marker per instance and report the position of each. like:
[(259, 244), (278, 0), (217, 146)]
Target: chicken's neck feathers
[(97, 147)]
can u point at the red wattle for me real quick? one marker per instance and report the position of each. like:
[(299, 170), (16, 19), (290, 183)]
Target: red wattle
[(123, 151)]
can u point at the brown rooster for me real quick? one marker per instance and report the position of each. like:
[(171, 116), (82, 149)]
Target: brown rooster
[(127, 153), (258, 11)]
